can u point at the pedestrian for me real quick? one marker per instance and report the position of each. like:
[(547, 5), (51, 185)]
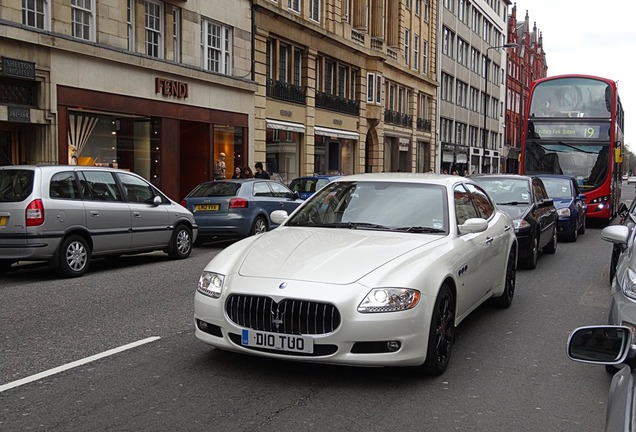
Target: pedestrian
[(247, 172), (219, 167), (260, 172), (238, 173)]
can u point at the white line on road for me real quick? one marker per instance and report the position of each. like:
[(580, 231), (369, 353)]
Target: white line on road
[(76, 364)]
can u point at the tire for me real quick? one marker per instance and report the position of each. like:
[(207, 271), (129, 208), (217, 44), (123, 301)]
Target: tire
[(582, 228), (259, 226), (531, 261), (552, 246), (573, 237), (74, 256), (181, 243), (504, 301), (441, 334)]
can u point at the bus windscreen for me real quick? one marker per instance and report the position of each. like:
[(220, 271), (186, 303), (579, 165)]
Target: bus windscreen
[(572, 97)]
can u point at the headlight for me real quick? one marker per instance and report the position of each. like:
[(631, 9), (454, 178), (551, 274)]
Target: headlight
[(210, 284), (389, 300), (565, 212), (628, 285), (520, 224)]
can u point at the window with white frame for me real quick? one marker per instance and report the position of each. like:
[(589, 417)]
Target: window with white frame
[(217, 47), (130, 23), (37, 14), (425, 57), (176, 34), (427, 10), (154, 28), (418, 7), (314, 10), (82, 19), (416, 52), (374, 88), (422, 108), (294, 5), (407, 46)]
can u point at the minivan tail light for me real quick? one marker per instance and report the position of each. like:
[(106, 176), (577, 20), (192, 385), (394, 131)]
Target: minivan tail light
[(183, 202), (238, 203), (34, 214)]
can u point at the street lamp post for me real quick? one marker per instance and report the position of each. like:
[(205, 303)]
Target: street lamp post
[(484, 132)]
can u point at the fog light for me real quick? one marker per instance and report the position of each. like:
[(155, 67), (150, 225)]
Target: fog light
[(203, 326), (393, 345)]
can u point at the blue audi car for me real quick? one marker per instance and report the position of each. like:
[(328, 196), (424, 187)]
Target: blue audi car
[(306, 186), (569, 202)]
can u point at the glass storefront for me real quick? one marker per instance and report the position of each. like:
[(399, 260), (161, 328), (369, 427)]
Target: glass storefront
[(283, 148), (130, 143), (333, 156), (229, 141)]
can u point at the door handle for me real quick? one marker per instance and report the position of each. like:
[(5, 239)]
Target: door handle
[(507, 228), (94, 213), (137, 214), (489, 240)]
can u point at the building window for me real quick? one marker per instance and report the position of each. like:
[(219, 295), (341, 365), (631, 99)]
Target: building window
[(176, 34), (416, 52), (82, 19), (130, 21), (374, 88), (294, 5), (314, 10), (217, 47), (282, 63), (425, 57), (154, 28), (418, 7), (427, 10), (36, 13), (407, 46)]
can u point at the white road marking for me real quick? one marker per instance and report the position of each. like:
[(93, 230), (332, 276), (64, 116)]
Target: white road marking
[(76, 363)]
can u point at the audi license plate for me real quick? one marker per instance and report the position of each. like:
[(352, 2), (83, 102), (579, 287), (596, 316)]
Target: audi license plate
[(206, 207), (277, 341)]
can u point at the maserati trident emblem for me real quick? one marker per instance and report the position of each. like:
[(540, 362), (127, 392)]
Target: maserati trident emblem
[(277, 317), (283, 285)]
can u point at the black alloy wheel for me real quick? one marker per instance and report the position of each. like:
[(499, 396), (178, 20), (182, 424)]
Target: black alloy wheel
[(552, 246), (533, 254), (441, 334), (506, 298)]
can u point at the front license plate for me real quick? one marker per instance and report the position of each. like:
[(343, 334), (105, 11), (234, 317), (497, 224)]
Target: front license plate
[(277, 341), (3, 220), (206, 207)]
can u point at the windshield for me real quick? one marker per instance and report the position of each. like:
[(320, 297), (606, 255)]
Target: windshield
[(558, 187), (216, 189), (410, 207), (506, 191), (588, 164), (571, 97)]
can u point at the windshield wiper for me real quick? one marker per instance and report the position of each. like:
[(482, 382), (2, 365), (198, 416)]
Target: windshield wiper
[(512, 203), (351, 225), (420, 229)]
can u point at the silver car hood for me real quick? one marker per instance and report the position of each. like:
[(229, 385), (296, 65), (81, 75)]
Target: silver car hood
[(327, 255)]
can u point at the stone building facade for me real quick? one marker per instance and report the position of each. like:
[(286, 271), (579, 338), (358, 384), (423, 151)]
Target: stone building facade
[(157, 87)]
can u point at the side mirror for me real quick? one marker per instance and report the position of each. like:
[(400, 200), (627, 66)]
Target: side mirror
[(600, 344), (278, 216), (473, 225), (157, 200), (617, 234), (547, 202)]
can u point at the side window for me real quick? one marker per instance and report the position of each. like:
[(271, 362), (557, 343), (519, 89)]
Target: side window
[(262, 190), (538, 190), (64, 186), (137, 190), (100, 186), (280, 191), (481, 201), (464, 208)]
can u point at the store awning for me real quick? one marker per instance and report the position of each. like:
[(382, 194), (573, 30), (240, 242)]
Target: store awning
[(336, 133), (286, 126)]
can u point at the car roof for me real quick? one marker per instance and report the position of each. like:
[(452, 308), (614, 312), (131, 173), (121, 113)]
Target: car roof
[(503, 176), (319, 176), (399, 177), (562, 176)]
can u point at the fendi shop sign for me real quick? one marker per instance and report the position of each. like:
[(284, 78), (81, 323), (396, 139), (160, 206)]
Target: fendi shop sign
[(174, 88), (18, 68)]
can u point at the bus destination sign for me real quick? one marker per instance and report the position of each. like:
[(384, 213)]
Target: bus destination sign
[(562, 130)]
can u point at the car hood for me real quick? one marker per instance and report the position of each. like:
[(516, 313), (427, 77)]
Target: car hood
[(560, 203), (515, 211), (327, 255)]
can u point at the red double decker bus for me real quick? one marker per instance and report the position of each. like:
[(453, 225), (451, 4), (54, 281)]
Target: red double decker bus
[(574, 126)]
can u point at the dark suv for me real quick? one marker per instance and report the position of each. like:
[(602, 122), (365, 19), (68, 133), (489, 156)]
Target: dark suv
[(67, 215), (526, 201)]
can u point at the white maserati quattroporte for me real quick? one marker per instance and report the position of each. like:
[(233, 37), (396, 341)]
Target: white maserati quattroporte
[(372, 270)]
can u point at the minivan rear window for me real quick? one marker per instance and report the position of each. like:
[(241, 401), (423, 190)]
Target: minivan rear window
[(216, 189), (15, 184)]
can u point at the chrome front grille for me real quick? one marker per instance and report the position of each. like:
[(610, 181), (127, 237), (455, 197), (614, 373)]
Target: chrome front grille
[(290, 316)]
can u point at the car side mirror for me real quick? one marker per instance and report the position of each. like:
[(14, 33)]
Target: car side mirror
[(295, 195), (617, 234), (546, 202), (608, 345), (278, 216), (157, 200), (473, 225)]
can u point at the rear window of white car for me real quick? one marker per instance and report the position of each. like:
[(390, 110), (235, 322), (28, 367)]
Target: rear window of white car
[(15, 185)]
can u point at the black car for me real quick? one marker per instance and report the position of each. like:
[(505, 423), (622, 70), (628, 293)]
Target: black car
[(569, 202), (527, 203)]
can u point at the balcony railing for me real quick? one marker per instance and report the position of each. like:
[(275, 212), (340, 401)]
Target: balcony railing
[(397, 118), (423, 125), (337, 103), (286, 91)]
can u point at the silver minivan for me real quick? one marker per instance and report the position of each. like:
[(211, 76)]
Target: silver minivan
[(67, 215)]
